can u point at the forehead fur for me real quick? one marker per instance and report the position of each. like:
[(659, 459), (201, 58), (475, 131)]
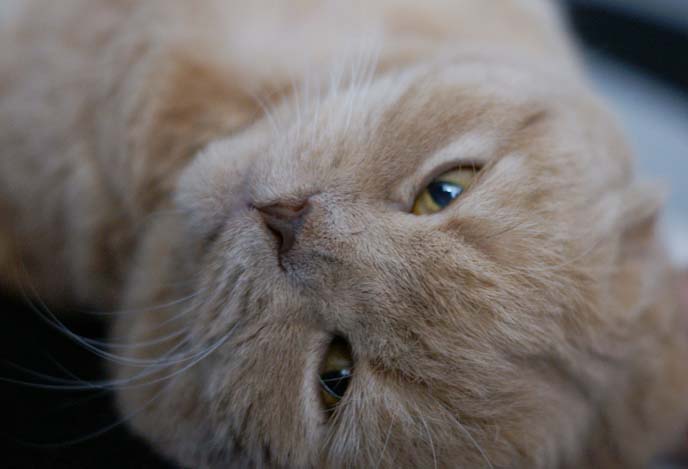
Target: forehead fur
[(379, 138)]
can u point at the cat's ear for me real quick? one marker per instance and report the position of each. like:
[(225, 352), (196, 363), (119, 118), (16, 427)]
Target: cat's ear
[(641, 261), (642, 205), (683, 289)]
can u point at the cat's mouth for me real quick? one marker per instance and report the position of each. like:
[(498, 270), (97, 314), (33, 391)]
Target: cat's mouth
[(336, 372)]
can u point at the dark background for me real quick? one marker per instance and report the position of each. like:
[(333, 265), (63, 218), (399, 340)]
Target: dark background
[(52, 428)]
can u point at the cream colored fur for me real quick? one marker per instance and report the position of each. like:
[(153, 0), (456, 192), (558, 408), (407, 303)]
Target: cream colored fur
[(532, 324)]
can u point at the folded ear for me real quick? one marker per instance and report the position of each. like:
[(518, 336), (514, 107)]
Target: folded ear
[(642, 204), (642, 271), (683, 290)]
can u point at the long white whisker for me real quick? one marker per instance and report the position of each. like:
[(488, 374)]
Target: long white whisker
[(53, 321), (127, 383), (384, 447), (105, 429), (267, 112), (430, 441), (136, 345), (68, 384), (140, 310), (465, 431)]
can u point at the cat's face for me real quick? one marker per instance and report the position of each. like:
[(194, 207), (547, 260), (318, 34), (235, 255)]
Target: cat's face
[(482, 332)]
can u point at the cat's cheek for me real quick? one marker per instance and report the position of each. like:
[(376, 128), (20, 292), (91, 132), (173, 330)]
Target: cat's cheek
[(215, 186)]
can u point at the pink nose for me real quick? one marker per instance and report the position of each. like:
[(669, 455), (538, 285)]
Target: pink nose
[(284, 221)]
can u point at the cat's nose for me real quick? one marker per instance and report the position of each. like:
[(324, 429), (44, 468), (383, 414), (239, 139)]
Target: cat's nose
[(284, 220)]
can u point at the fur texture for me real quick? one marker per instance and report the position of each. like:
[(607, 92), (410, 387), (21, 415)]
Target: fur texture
[(534, 323)]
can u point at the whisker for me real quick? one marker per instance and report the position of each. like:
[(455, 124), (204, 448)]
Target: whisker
[(103, 430), (68, 385), (87, 343), (430, 441), (83, 387), (267, 112), (52, 320), (384, 447), (145, 309), (127, 383), (136, 345), (468, 434)]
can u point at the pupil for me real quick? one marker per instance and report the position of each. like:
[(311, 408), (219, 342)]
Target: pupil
[(336, 373), (443, 193), (336, 382)]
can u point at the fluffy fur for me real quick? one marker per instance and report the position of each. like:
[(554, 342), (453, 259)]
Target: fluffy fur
[(533, 324)]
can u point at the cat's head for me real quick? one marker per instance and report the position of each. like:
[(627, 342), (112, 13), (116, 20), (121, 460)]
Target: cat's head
[(461, 247)]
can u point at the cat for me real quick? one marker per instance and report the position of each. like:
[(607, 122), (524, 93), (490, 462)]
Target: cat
[(342, 234)]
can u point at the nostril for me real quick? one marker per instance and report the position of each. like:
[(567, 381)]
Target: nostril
[(284, 220), (283, 232), (278, 236)]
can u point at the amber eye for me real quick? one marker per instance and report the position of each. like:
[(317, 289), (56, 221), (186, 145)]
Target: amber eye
[(442, 191), (335, 372)]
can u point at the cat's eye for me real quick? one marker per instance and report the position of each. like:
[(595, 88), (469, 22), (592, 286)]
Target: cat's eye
[(443, 190), (335, 372)]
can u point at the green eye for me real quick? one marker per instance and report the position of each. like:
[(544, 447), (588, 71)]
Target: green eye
[(335, 373), (441, 192)]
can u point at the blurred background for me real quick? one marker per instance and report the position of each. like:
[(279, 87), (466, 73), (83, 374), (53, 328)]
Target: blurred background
[(637, 56)]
